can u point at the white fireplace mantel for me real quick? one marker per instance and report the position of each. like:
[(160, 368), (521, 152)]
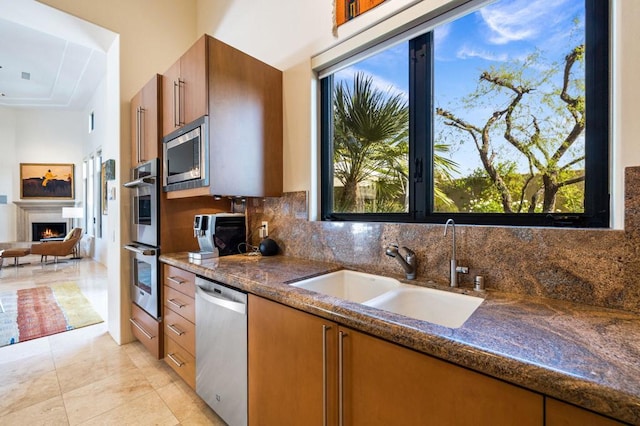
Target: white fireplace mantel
[(39, 211)]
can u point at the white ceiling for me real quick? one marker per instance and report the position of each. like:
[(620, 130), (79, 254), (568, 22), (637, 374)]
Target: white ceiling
[(63, 68)]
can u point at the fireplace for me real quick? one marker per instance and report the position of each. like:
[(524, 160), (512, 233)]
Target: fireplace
[(40, 230)]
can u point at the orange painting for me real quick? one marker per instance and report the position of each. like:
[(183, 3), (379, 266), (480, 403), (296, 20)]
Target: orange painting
[(349, 9)]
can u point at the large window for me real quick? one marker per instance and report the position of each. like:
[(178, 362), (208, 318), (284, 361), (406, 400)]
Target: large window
[(498, 115)]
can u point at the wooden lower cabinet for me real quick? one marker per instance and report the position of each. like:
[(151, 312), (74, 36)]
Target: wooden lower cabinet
[(558, 413), (147, 330), (179, 322), (379, 382), (286, 365)]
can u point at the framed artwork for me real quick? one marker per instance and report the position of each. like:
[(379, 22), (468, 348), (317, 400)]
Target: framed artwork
[(46, 181), (104, 179)]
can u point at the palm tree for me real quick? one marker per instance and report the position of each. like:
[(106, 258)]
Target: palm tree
[(371, 143), (368, 125)]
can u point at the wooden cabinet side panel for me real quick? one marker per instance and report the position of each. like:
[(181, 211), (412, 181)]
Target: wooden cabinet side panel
[(285, 365), (388, 384), (245, 109), (558, 413), (193, 72), (176, 220)]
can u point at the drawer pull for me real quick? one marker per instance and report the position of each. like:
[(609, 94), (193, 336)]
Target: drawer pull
[(176, 304), (175, 360), (142, 330), (176, 281), (174, 329)]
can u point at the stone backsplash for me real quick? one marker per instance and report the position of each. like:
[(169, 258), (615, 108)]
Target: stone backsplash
[(590, 266)]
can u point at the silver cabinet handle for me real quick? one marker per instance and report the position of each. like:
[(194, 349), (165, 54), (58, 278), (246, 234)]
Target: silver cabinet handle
[(180, 102), (138, 132), (324, 373), (175, 360), (176, 102), (175, 330), (141, 138), (341, 378), (175, 280), (176, 304), (142, 330)]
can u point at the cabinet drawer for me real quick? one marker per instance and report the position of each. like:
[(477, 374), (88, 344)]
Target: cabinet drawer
[(147, 330), (181, 280), (180, 330), (181, 361), (180, 303)]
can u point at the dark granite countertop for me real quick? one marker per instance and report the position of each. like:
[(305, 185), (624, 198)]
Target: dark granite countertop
[(585, 355)]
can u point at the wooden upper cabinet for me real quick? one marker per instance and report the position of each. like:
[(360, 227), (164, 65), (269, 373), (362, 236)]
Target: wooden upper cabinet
[(145, 122), (245, 109), (185, 87), (242, 97)]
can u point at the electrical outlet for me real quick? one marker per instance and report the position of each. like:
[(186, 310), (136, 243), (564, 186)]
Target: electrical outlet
[(264, 230)]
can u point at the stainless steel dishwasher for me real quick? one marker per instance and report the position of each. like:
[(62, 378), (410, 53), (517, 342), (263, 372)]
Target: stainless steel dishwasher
[(221, 350)]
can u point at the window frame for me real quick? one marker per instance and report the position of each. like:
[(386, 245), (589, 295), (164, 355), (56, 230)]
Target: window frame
[(597, 140)]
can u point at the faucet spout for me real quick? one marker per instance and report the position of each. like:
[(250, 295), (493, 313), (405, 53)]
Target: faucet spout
[(408, 261), (454, 269)]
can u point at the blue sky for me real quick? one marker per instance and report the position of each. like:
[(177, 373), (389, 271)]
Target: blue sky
[(504, 31)]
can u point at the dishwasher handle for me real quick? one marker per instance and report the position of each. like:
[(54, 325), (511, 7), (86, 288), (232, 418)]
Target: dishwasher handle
[(238, 307)]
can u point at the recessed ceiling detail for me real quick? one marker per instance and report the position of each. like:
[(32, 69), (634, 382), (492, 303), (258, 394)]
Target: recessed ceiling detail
[(41, 70)]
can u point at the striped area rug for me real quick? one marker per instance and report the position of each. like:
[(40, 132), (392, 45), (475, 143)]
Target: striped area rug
[(41, 311)]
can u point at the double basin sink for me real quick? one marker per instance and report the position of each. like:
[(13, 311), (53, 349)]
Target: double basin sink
[(440, 307)]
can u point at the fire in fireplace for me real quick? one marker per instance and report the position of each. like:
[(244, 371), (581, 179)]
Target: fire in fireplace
[(41, 230)]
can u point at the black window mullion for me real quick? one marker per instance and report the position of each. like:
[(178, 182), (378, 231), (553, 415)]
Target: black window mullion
[(326, 149), (597, 112), (421, 125)]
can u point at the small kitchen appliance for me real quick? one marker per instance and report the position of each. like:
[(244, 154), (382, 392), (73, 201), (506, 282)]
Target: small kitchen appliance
[(219, 234)]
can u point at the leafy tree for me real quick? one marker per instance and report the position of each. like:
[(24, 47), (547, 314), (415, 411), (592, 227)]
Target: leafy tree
[(539, 120)]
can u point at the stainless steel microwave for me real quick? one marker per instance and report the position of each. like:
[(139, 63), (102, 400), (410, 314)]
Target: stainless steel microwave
[(186, 156)]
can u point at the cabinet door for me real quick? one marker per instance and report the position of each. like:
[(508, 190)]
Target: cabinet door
[(170, 99), (193, 73), (136, 105), (384, 383), (149, 120), (286, 365), (558, 413)]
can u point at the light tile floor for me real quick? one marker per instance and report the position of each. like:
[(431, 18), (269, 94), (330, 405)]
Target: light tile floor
[(82, 377)]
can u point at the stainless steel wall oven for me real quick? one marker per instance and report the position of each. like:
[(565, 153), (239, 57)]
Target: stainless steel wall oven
[(145, 231)]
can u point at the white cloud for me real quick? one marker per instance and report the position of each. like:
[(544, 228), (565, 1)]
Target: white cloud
[(466, 52), (523, 19)]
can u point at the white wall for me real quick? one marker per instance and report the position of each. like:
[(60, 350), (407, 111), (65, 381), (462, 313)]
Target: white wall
[(35, 136), (95, 141), (9, 174)]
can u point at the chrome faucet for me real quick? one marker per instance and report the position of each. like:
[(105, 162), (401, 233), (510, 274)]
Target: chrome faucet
[(454, 269), (408, 261)]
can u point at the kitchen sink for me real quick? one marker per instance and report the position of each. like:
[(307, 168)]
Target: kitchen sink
[(436, 306), (440, 307), (349, 285)]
